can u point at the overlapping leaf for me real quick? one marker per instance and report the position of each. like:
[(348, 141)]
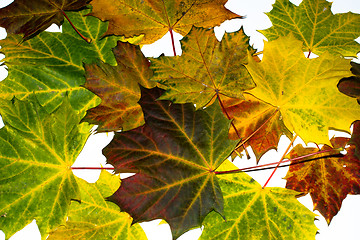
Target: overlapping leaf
[(205, 68), (51, 64), (174, 156), (258, 120), (253, 212), (313, 23), (31, 17), (118, 88), (305, 90), (96, 218), (351, 85), (355, 138), (327, 179), (153, 19), (37, 151)]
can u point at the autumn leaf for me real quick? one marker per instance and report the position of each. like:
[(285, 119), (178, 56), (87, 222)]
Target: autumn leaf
[(51, 64), (206, 68), (328, 178), (174, 156), (96, 218), (305, 90), (154, 19), (37, 151), (355, 138), (258, 120), (351, 85), (253, 212), (118, 88), (31, 17), (313, 23)]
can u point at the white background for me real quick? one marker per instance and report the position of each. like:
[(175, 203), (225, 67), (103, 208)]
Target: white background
[(343, 226)]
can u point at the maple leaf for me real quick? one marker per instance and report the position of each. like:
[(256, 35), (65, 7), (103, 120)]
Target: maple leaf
[(258, 120), (96, 218), (328, 179), (118, 88), (174, 156), (37, 151), (206, 68), (51, 64), (31, 17), (351, 85), (154, 19), (305, 90), (355, 138), (313, 23), (253, 212)]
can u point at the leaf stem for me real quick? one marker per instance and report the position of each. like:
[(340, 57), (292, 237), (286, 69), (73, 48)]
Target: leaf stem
[(92, 168), (172, 41), (232, 123), (88, 40), (308, 56), (260, 167), (282, 158)]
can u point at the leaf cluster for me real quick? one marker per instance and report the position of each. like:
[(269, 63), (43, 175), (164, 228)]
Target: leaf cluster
[(177, 120)]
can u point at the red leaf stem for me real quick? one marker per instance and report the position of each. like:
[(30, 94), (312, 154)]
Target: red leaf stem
[(232, 124), (282, 158), (172, 41), (88, 40)]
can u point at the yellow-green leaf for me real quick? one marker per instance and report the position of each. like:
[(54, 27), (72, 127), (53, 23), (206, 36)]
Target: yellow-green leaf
[(37, 151), (96, 218), (313, 23), (206, 68), (252, 212), (305, 90), (51, 64)]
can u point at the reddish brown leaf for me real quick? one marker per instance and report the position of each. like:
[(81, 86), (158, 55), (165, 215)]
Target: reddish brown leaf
[(30, 17), (174, 156), (118, 88), (257, 118), (327, 178)]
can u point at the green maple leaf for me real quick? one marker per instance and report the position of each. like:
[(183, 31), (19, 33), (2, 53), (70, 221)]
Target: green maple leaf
[(304, 90), (174, 156), (313, 23), (118, 88), (51, 64), (253, 212), (154, 18), (96, 218), (206, 68), (37, 151), (31, 17)]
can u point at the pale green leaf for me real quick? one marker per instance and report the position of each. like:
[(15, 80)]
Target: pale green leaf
[(37, 151), (253, 212)]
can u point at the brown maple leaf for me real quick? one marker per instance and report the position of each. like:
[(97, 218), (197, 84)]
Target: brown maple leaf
[(328, 179), (154, 19)]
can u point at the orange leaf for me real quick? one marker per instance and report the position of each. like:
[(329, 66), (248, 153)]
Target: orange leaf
[(257, 118), (155, 18)]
